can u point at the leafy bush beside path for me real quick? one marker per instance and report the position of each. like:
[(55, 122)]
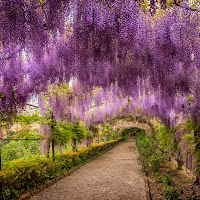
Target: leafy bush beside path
[(23, 175)]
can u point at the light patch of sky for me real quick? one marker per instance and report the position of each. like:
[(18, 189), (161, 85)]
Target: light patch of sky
[(69, 16), (24, 55), (193, 2), (72, 81)]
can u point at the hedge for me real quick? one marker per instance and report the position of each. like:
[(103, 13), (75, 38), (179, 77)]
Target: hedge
[(23, 175)]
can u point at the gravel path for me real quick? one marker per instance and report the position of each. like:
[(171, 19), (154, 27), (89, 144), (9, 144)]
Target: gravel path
[(112, 176)]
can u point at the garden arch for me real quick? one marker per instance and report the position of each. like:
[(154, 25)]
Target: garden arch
[(121, 124)]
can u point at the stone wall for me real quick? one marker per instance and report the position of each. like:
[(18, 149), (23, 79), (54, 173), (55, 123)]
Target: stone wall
[(121, 124)]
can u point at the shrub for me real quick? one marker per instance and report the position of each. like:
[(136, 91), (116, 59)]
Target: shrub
[(193, 196), (166, 180), (155, 163), (22, 175), (11, 151), (173, 194), (151, 156)]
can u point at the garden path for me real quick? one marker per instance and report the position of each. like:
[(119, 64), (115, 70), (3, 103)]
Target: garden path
[(112, 176)]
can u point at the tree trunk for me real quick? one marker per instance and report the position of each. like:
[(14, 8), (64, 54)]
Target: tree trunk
[(1, 136), (197, 149), (75, 145), (0, 155), (60, 149), (53, 150), (89, 141), (170, 153), (20, 147), (53, 124), (48, 149)]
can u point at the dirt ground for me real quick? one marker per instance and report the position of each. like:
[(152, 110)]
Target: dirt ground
[(179, 180), (114, 175)]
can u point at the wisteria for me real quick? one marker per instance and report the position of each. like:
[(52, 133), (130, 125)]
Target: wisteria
[(124, 46), (121, 58)]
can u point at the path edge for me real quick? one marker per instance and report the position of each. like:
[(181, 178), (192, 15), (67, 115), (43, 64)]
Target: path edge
[(147, 188), (42, 187)]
